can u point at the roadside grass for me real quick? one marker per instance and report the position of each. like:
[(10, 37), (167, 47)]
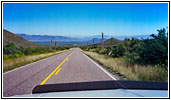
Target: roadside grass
[(129, 71), (18, 62)]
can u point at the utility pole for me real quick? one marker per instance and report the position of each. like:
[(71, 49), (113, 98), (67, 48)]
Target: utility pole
[(102, 39), (55, 45), (111, 40), (51, 43), (88, 44)]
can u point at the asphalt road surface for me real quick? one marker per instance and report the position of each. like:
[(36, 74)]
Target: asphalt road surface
[(67, 67)]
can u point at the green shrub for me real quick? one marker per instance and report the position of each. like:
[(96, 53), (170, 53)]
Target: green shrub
[(102, 51), (155, 50), (119, 50), (5, 56), (10, 48), (107, 51), (10, 51), (147, 51), (131, 57)]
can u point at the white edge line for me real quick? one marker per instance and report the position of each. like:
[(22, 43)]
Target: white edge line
[(100, 67), (30, 64), (25, 65)]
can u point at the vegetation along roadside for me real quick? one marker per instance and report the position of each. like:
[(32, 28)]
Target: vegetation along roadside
[(14, 61), (135, 59), (10, 64), (17, 51)]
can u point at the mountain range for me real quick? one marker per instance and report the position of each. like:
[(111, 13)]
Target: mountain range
[(45, 39)]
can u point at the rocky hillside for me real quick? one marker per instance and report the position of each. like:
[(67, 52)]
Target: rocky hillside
[(9, 37)]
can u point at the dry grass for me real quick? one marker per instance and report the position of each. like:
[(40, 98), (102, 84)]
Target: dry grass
[(130, 71), (17, 62)]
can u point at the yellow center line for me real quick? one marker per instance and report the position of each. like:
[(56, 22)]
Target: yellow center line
[(57, 71), (67, 58)]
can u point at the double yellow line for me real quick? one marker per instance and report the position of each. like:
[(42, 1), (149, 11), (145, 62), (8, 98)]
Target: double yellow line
[(56, 70)]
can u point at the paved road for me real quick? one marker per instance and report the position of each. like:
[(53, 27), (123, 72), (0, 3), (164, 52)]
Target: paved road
[(68, 67)]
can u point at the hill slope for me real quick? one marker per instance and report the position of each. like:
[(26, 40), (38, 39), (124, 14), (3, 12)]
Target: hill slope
[(111, 41), (9, 37)]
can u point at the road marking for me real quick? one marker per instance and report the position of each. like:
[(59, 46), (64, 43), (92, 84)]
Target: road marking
[(27, 65), (66, 58), (57, 71), (100, 67)]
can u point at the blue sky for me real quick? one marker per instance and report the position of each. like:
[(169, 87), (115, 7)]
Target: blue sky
[(85, 19)]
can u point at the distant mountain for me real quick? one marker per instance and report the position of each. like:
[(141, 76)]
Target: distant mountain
[(45, 39), (119, 37), (9, 37), (96, 40), (133, 36), (99, 36)]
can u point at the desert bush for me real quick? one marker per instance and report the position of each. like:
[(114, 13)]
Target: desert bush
[(10, 51), (130, 71), (148, 51), (118, 51)]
